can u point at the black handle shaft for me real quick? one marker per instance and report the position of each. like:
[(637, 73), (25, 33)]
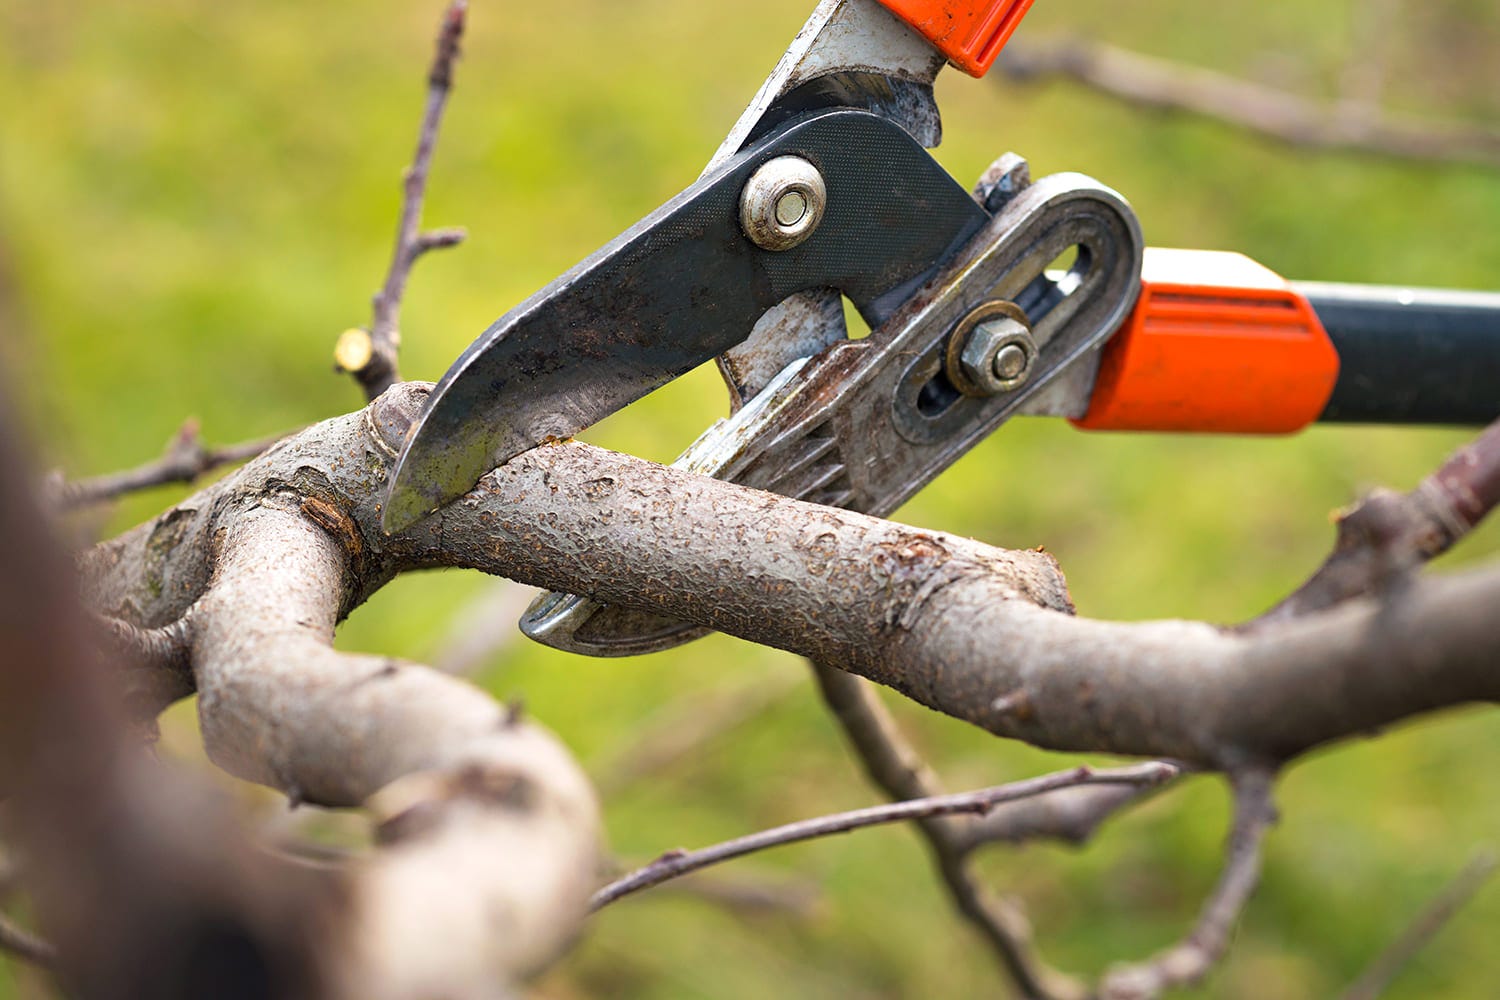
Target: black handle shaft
[(1410, 355)]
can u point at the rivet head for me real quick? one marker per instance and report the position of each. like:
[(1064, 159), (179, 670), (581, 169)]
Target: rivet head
[(782, 203)]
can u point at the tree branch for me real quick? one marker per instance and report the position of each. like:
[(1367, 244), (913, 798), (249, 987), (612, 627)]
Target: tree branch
[(155, 664), (978, 633), (894, 767), (371, 355), (1387, 535), (184, 460), (24, 945), (488, 829), (1187, 962), (1155, 83), (1433, 918), (676, 863)]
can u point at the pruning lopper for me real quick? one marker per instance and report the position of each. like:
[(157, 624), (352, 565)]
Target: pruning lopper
[(1024, 296)]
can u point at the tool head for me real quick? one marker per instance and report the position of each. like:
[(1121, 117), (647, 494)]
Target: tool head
[(679, 287)]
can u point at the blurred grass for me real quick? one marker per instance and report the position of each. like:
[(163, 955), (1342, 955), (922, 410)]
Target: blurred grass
[(195, 198)]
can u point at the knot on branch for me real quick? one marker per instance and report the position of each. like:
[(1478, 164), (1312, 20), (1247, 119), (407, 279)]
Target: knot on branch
[(389, 418)]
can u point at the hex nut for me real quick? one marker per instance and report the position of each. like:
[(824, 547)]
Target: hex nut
[(782, 203), (992, 351)]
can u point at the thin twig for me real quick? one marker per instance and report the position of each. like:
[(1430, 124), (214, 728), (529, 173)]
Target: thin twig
[(1157, 83), (1388, 534), (371, 355), (675, 863), (183, 461), (1188, 961), (894, 766), (25, 945), (1433, 918), (1070, 816)]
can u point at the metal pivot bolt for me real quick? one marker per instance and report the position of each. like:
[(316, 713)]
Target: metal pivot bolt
[(991, 350), (782, 203)]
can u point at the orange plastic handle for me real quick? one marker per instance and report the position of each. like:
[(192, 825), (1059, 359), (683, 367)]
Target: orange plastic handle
[(1218, 343), (970, 33)]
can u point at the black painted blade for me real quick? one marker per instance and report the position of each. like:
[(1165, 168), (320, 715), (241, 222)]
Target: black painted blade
[(678, 288)]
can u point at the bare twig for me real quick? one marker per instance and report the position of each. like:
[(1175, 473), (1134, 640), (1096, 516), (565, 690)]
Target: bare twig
[(1188, 961), (183, 461), (894, 766), (1388, 534), (675, 863), (1383, 971), (25, 945), (1156, 83), (371, 355), (1070, 815)]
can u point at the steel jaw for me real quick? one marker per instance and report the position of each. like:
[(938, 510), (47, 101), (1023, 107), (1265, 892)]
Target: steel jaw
[(865, 424)]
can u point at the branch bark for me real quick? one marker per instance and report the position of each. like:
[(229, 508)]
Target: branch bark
[(1387, 535), (978, 633)]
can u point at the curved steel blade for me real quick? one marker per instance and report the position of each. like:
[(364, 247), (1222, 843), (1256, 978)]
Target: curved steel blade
[(678, 288)]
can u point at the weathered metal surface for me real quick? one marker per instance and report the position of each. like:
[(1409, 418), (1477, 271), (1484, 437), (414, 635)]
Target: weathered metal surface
[(868, 59), (678, 288), (850, 53), (867, 423)]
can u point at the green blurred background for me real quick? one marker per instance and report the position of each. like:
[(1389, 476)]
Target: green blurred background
[(195, 198)]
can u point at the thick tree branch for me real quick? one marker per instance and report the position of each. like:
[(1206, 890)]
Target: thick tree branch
[(488, 829), (978, 633), (676, 863), (371, 355), (1155, 83), (1388, 534)]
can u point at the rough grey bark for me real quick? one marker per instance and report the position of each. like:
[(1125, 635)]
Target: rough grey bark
[(488, 832), (978, 633)]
